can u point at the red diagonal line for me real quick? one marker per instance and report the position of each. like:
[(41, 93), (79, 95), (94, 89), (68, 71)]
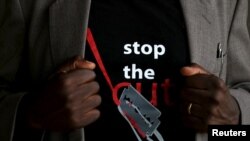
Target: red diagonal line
[(96, 53)]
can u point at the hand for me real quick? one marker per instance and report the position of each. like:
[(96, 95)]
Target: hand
[(211, 103), (69, 100)]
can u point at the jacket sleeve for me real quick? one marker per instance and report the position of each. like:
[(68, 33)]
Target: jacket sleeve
[(11, 46), (238, 57)]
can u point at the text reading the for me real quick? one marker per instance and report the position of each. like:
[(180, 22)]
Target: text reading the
[(137, 73)]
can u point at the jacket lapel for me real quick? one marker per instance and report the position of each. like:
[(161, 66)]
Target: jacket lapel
[(68, 23), (202, 31)]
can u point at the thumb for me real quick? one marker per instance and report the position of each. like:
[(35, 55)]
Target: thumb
[(84, 64), (76, 63), (193, 69)]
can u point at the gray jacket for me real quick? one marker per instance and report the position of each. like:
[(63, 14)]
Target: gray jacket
[(38, 35)]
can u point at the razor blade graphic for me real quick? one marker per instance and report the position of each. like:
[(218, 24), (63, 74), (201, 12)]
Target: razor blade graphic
[(142, 116)]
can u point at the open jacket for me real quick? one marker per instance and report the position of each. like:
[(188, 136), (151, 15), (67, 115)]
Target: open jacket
[(38, 35)]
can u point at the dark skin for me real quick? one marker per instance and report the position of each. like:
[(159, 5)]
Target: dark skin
[(211, 102), (69, 100)]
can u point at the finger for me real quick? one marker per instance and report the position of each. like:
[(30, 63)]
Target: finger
[(199, 96), (78, 77), (87, 90), (193, 70), (88, 104), (216, 121), (86, 113), (200, 81), (74, 117), (84, 92), (88, 118), (195, 110)]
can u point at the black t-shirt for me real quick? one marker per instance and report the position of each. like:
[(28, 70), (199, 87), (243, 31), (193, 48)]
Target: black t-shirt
[(141, 45)]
